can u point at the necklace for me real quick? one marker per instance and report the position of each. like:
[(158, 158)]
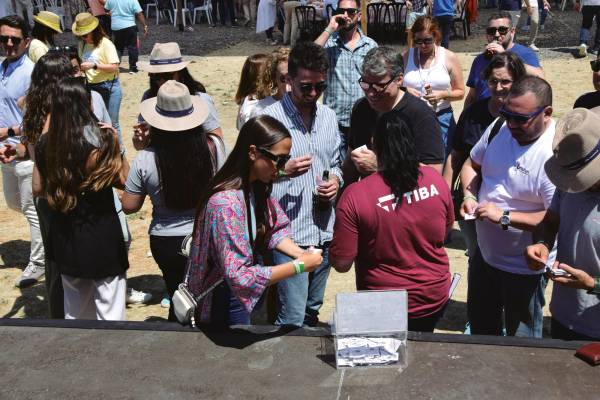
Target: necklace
[(425, 80)]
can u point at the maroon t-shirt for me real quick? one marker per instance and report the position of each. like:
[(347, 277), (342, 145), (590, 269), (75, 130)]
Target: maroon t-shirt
[(398, 243)]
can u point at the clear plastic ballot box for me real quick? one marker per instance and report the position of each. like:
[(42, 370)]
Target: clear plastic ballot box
[(370, 329)]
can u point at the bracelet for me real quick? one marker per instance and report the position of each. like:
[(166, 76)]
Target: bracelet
[(281, 173), (596, 289), (449, 91), (298, 266), (544, 243), (330, 32), (469, 196)]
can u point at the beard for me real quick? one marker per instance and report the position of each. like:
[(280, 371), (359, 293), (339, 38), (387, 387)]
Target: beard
[(348, 27)]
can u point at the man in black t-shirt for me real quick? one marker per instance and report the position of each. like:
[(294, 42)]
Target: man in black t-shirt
[(591, 99), (381, 80)]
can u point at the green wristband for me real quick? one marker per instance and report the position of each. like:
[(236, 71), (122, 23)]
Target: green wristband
[(330, 32), (596, 289), (298, 266), (469, 196), (281, 173)]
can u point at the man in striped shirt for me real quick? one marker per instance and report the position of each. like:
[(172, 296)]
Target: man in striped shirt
[(302, 191)]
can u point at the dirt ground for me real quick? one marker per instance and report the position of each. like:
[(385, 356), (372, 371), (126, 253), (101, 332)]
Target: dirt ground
[(218, 69)]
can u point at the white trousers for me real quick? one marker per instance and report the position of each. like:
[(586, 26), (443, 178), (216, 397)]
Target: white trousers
[(101, 299), (16, 185)]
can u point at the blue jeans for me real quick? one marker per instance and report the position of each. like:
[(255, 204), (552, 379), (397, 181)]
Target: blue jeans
[(445, 22), (227, 309), (448, 126), (114, 102), (301, 296), (492, 292)]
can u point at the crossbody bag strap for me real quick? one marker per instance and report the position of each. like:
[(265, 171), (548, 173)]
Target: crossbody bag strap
[(495, 129)]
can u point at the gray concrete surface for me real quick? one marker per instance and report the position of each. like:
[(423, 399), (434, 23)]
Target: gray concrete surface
[(72, 363)]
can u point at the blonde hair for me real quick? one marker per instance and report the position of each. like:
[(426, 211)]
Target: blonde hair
[(252, 71), (268, 81)]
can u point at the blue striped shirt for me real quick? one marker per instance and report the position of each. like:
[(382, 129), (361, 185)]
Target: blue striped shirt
[(310, 226), (15, 78), (344, 71)]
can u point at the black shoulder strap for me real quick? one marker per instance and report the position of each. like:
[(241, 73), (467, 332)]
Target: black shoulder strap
[(495, 129)]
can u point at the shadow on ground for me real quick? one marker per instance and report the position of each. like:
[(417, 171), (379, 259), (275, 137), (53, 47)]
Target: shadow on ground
[(15, 253)]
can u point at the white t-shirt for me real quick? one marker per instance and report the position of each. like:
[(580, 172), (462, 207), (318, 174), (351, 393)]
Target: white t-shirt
[(514, 179), (245, 111)]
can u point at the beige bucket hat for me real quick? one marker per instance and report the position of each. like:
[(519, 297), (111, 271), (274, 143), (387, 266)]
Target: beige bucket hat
[(165, 57), (84, 24), (174, 109), (48, 19), (575, 165)]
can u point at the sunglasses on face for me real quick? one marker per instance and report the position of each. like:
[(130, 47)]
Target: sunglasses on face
[(350, 11), (62, 50), (319, 87), (423, 41), (502, 30), (280, 161), (15, 40), (520, 118), (493, 82), (377, 87), (595, 65)]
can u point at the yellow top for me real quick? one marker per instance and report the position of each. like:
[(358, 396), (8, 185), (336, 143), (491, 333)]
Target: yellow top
[(105, 53), (37, 49)]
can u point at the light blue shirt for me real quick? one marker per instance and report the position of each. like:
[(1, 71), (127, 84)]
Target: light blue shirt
[(122, 13), (295, 195), (15, 78)]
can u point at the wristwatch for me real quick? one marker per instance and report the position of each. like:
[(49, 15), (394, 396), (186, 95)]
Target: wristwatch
[(596, 289), (95, 66), (505, 220), (11, 132)]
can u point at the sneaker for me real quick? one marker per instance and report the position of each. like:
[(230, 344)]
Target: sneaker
[(137, 297), (525, 28), (594, 51), (30, 275), (534, 47), (582, 50), (272, 42), (166, 301)]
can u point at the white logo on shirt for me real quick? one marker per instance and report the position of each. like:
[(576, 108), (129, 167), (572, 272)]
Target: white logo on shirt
[(416, 195)]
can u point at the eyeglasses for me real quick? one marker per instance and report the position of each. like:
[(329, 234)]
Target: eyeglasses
[(15, 40), (161, 76), (308, 87), (520, 118), (595, 65), (62, 50), (377, 87), (350, 11), (427, 41), (493, 82), (502, 30), (280, 161)]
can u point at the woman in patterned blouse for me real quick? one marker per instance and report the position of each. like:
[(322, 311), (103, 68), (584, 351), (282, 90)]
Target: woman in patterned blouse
[(237, 219)]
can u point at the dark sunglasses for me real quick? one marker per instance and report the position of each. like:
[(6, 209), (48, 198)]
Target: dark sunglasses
[(520, 118), (350, 11), (377, 87), (423, 41), (161, 76), (62, 50), (280, 161), (15, 40), (503, 30), (595, 65), (308, 87)]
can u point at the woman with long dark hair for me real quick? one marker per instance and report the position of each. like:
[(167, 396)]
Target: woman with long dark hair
[(174, 171), (237, 220), (46, 26), (77, 163), (393, 224), (100, 63)]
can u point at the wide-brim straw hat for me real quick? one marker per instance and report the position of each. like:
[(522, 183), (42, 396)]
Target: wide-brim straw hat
[(575, 165), (84, 24), (48, 19), (165, 57), (174, 109)]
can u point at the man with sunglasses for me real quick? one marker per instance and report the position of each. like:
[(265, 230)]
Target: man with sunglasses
[(500, 34), (381, 81), (346, 47), (506, 188), (15, 78), (306, 198), (591, 99)]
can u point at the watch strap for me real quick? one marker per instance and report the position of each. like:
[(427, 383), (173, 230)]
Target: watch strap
[(596, 289)]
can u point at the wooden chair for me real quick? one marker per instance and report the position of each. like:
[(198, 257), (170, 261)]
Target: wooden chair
[(375, 21), (308, 29)]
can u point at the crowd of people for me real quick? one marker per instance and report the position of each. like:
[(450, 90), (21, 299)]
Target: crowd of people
[(374, 176)]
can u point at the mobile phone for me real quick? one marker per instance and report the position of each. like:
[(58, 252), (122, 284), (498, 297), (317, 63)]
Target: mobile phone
[(325, 176), (557, 272)]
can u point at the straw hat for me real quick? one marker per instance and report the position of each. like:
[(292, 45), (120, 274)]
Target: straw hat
[(165, 57), (575, 166), (174, 109), (84, 23), (48, 19)]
